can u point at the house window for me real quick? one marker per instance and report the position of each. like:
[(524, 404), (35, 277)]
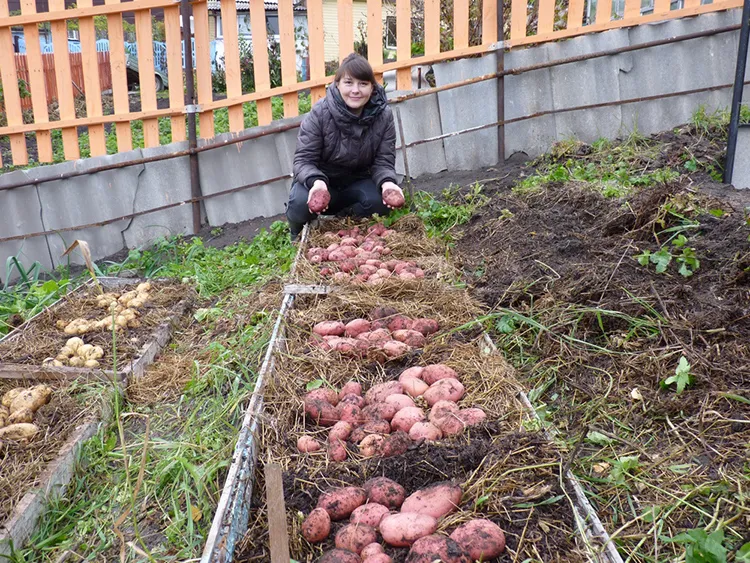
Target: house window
[(219, 30), (272, 23), (243, 23), (73, 35), (390, 32)]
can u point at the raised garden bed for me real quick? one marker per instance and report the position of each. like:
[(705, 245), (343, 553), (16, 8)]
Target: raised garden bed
[(26, 351), (508, 469)]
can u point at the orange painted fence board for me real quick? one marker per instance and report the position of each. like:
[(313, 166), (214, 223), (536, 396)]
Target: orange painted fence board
[(288, 56), (403, 43), (12, 97)]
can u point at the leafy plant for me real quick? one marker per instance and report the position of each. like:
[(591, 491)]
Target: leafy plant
[(686, 259), (702, 547), (682, 377), (623, 467)]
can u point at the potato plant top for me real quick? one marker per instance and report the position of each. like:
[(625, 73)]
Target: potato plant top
[(22, 464), (44, 337)]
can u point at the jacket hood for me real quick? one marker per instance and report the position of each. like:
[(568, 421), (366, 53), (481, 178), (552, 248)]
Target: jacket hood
[(341, 112)]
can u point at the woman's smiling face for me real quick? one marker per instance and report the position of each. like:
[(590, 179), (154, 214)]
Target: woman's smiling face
[(356, 93)]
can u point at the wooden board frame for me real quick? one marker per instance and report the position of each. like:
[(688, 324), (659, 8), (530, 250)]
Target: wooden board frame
[(133, 370)]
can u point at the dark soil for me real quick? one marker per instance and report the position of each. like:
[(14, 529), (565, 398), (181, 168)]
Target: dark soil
[(565, 256)]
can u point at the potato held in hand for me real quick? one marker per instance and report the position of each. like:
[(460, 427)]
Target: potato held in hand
[(319, 200), (393, 197)]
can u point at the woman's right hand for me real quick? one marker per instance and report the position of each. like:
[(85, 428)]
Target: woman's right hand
[(318, 187)]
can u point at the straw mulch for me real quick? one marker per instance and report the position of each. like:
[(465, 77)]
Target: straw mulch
[(42, 339)]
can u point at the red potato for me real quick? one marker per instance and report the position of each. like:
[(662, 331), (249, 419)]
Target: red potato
[(329, 328), (482, 539), (349, 412), (354, 537), (404, 528), (350, 253), (378, 411), (406, 418), (368, 245), (340, 431), (333, 246), (403, 266), (407, 276), (369, 514), (441, 410), (437, 548), (337, 255), (379, 558), (436, 372), (394, 348), (451, 425), (384, 491), (357, 435), (384, 273), (316, 259), (410, 337), (444, 390), (319, 200), (472, 416), (307, 444), (436, 500), (341, 502), (400, 401), (399, 322), (347, 346), (348, 241), (377, 229), (377, 335), (323, 394), (414, 387), (321, 412), (352, 387), (347, 266), (356, 327), (375, 280), (325, 271), (393, 198), (425, 431), (317, 526), (374, 262), (370, 550), (372, 445), (367, 269), (341, 277), (330, 236), (378, 393), (353, 399), (337, 450), (377, 427), (343, 233), (415, 371), (314, 251), (396, 444), (339, 556)]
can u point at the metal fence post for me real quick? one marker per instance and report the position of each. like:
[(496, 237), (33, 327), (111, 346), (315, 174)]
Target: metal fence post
[(739, 82), (191, 109)]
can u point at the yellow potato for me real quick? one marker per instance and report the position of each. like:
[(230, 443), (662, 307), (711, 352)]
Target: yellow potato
[(21, 415), (143, 287), (84, 351), (61, 358), (19, 432), (10, 395), (135, 303), (66, 351), (73, 344), (32, 398), (4, 414), (58, 363), (91, 364), (77, 362)]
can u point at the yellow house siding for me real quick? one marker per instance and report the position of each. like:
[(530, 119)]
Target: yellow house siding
[(331, 24)]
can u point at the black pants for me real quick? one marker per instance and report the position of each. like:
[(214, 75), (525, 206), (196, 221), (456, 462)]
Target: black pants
[(360, 198)]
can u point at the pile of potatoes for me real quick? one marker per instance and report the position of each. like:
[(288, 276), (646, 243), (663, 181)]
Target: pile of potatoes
[(387, 420), (388, 332), (77, 354), (358, 258), (125, 314), (381, 506), (17, 412)]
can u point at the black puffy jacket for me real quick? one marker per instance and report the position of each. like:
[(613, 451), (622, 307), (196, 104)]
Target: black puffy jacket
[(338, 147)]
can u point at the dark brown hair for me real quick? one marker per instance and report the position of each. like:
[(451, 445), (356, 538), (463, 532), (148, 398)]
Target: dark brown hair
[(357, 67)]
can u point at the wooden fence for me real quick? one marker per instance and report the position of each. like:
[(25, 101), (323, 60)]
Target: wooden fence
[(92, 79), (76, 75)]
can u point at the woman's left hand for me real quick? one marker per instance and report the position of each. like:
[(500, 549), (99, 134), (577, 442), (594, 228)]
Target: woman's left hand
[(393, 196)]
